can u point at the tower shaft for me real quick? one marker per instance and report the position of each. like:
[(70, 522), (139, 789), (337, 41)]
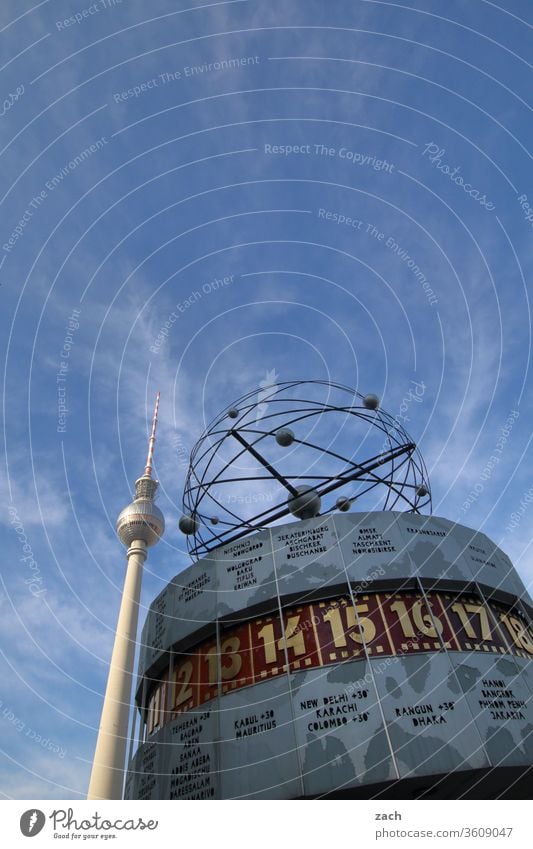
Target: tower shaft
[(107, 774), (139, 526)]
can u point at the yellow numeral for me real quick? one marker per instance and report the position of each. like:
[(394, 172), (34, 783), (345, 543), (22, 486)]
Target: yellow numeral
[(184, 674), (294, 638), (211, 658), (228, 651), (267, 635), (404, 618), (367, 629), (463, 610), (421, 618), (426, 624), (486, 633), (520, 633), (333, 616)]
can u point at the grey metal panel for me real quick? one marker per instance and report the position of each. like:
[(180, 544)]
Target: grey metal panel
[(143, 646), (372, 546), (154, 637), (478, 551), (129, 786), (246, 574), (189, 761), (525, 666), (434, 549), (512, 581), (308, 557), (143, 776), (186, 605), (158, 626), (487, 563), (258, 746), (339, 728), (502, 705), (428, 735), (193, 597)]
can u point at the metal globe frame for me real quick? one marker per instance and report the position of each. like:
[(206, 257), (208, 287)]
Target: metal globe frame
[(398, 468)]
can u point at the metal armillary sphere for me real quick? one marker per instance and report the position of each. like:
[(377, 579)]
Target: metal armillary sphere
[(301, 448)]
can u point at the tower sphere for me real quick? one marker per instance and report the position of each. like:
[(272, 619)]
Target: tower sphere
[(306, 504), (141, 519)]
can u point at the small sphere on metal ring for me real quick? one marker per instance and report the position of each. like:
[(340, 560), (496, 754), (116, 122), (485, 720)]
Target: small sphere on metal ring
[(343, 504), (188, 524), (371, 402), (284, 436), (305, 505)]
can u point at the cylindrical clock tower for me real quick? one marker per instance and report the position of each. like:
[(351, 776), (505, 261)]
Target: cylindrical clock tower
[(342, 654)]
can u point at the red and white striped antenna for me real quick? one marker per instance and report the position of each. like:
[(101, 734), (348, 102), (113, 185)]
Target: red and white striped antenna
[(151, 441)]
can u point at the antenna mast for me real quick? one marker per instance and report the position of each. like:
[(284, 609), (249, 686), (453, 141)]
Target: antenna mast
[(151, 441)]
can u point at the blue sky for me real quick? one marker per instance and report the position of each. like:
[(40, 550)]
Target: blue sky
[(357, 171)]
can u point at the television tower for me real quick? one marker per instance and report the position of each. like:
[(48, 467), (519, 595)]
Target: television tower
[(139, 526)]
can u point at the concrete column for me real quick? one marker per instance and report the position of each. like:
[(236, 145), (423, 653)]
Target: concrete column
[(107, 776)]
